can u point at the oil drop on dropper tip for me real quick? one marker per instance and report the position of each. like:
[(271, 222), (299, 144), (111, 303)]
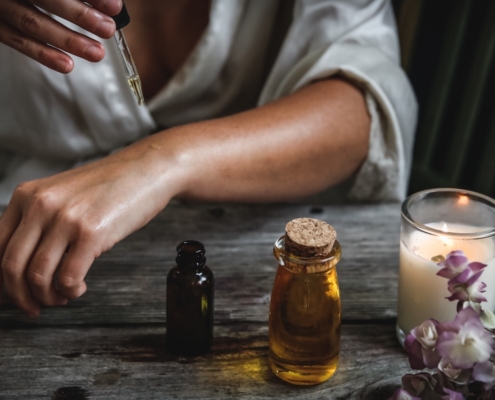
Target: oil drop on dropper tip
[(122, 20)]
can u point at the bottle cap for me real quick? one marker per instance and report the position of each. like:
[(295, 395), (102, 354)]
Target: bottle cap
[(308, 237), (122, 19)]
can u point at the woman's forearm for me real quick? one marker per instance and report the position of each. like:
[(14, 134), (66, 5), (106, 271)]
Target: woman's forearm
[(293, 147)]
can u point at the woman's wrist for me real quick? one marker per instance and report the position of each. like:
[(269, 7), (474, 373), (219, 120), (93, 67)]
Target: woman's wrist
[(164, 162)]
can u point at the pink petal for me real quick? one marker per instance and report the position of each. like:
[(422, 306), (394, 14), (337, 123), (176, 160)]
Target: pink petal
[(484, 372), (476, 266), (446, 273), (475, 323), (457, 261), (414, 351), (449, 326), (461, 278), (435, 322), (451, 395), (410, 339), (431, 358), (465, 315), (474, 278), (458, 295)]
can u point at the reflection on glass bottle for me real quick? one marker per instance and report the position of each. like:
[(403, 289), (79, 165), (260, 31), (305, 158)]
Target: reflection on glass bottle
[(190, 302), (305, 314)]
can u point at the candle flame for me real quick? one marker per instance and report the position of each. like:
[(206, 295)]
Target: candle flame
[(444, 227), (463, 200)]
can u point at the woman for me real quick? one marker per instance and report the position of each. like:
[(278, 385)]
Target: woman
[(246, 106)]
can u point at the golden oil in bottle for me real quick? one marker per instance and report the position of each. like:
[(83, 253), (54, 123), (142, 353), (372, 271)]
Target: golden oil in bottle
[(304, 323), (135, 84)]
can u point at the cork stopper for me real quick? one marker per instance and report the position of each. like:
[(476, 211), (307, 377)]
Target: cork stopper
[(308, 237)]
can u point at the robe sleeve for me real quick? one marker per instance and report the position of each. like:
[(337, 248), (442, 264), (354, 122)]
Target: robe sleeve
[(356, 39)]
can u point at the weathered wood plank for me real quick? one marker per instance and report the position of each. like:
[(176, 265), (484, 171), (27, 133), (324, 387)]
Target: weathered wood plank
[(127, 284), (132, 363)]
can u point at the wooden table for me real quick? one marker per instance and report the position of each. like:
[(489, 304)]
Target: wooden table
[(110, 343)]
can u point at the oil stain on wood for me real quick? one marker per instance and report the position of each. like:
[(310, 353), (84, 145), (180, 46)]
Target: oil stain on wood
[(108, 378), (70, 393)]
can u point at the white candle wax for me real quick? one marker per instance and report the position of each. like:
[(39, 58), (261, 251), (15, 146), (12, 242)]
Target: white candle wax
[(421, 291)]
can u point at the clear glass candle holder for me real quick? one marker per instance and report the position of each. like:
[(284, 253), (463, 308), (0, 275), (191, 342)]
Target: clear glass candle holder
[(434, 223)]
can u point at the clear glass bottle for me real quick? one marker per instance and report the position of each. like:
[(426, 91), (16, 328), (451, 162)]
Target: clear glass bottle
[(190, 288), (304, 323)]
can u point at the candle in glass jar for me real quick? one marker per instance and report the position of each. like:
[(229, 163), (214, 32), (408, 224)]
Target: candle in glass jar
[(421, 291)]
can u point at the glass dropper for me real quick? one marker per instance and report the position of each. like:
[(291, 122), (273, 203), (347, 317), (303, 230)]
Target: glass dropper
[(133, 78)]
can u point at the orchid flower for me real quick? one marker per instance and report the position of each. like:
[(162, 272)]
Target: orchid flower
[(462, 351), (414, 352), (448, 369), (456, 263), (421, 385), (463, 279), (426, 335), (465, 341), (466, 287)]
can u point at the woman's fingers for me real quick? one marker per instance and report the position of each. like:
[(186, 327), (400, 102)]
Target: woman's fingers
[(43, 266), (27, 19), (109, 7), (44, 54), (9, 221), (82, 15), (32, 32), (74, 269), (14, 265)]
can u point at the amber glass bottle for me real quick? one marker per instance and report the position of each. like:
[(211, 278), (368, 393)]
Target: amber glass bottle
[(190, 302), (304, 323)]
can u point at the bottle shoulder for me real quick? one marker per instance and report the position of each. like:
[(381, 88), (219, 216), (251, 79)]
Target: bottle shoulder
[(200, 276), (207, 272)]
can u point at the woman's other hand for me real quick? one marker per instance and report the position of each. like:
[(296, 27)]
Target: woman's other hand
[(32, 32), (62, 223)]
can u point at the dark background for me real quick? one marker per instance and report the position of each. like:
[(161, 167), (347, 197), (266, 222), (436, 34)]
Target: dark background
[(448, 51)]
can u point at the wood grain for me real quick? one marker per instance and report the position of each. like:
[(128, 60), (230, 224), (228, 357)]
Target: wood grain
[(132, 363), (127, 284), (110, 343)]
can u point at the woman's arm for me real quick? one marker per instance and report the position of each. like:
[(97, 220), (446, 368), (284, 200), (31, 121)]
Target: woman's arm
[(293, 147)]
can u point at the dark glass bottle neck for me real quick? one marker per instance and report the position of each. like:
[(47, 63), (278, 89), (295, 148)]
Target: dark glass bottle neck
[(190, 254)]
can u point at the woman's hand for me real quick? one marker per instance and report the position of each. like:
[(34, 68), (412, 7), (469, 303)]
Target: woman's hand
[(27, 29), (62, 223)]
